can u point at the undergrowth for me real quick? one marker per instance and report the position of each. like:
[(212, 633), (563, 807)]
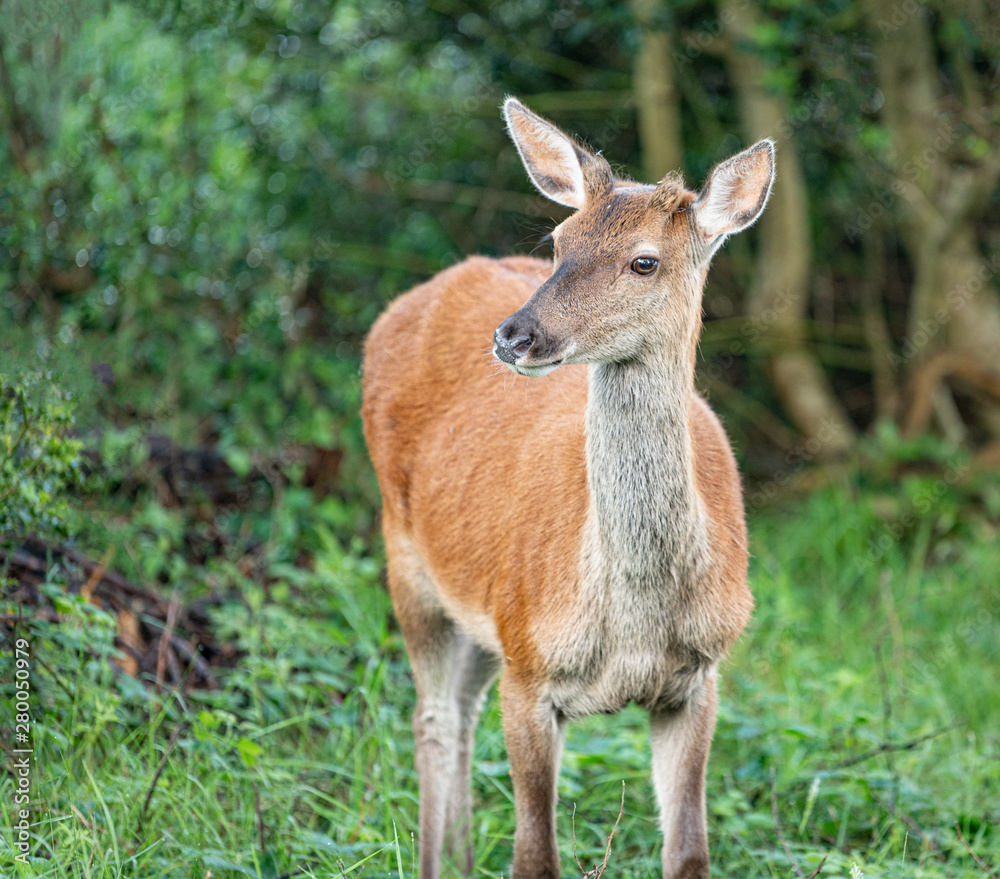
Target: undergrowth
[(857, 722)]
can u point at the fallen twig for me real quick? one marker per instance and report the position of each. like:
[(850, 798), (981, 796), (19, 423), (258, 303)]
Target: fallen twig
[(260, 817), (55, 677), (187, 652), (97, 574), (161, 653), (41, 613), (111, 577), (156, 775), (598, 871), (909, 821), (343, 869), (975, 857), (819, 867), (887, 747)]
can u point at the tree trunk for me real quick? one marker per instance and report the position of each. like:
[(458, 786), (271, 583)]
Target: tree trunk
[(656, 97), (779, 295), (876, 328), (954, 304)]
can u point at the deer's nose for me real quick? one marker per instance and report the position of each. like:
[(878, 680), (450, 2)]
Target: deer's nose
[(514, 337)]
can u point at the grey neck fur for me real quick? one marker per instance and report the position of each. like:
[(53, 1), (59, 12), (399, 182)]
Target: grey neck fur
[(645, 514)]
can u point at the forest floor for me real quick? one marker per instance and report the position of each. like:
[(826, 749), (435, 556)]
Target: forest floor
[(224, 692)]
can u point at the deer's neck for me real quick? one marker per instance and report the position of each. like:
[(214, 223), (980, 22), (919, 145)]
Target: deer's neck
[(646, 524)]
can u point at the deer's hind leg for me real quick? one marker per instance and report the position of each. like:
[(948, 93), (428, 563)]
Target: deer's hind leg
[(451, 674), (475, 670)]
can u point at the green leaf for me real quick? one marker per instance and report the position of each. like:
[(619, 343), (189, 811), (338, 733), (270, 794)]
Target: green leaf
[(249, 751), (239, 460)]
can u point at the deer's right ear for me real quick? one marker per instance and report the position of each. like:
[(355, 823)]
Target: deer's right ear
[(735, 193), (551, 158)]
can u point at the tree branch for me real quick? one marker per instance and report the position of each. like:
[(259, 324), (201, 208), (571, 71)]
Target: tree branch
[(975, 857), (886, 747)]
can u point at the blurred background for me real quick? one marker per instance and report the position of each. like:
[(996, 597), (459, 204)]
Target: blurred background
[(205, 205), (216, 199)]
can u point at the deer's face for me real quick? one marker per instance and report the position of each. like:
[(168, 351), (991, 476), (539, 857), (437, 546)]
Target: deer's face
[(630, 263), (623, 278)]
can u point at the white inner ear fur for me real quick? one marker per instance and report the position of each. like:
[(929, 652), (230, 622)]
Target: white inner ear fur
[(548, 156), (737, 192)]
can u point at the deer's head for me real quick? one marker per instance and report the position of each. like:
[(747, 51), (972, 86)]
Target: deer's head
[(630, 263)]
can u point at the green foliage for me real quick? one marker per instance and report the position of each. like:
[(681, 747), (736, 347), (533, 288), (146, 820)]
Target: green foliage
[(213, 203), (221, 199), (176, 205), (297, 727), (39, 460), (862, 700)]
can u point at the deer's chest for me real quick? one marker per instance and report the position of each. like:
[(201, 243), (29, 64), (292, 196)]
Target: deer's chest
[(629, 651)]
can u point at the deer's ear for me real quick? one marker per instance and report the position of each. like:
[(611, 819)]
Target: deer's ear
[(735, 193), (553, 160)]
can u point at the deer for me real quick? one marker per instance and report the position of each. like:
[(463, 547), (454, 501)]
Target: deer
[(561, 508)]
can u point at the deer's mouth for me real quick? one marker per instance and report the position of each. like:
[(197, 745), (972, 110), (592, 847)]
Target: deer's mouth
[(535, 369)]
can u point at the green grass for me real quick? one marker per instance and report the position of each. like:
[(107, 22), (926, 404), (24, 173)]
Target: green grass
[(303, 760)]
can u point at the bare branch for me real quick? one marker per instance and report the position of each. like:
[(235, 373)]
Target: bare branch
[(159, 771), (573, 821), (887, 747), (598, 871), (161, 653), (935, 370), (819, 867), (975, 857)]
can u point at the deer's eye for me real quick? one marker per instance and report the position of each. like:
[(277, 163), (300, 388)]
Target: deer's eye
[(644, 265)]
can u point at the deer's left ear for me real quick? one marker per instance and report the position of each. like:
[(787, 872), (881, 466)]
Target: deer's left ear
[(553, 160), (735, 193)]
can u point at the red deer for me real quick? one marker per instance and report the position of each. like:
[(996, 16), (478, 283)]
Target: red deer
[(580, 535)]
